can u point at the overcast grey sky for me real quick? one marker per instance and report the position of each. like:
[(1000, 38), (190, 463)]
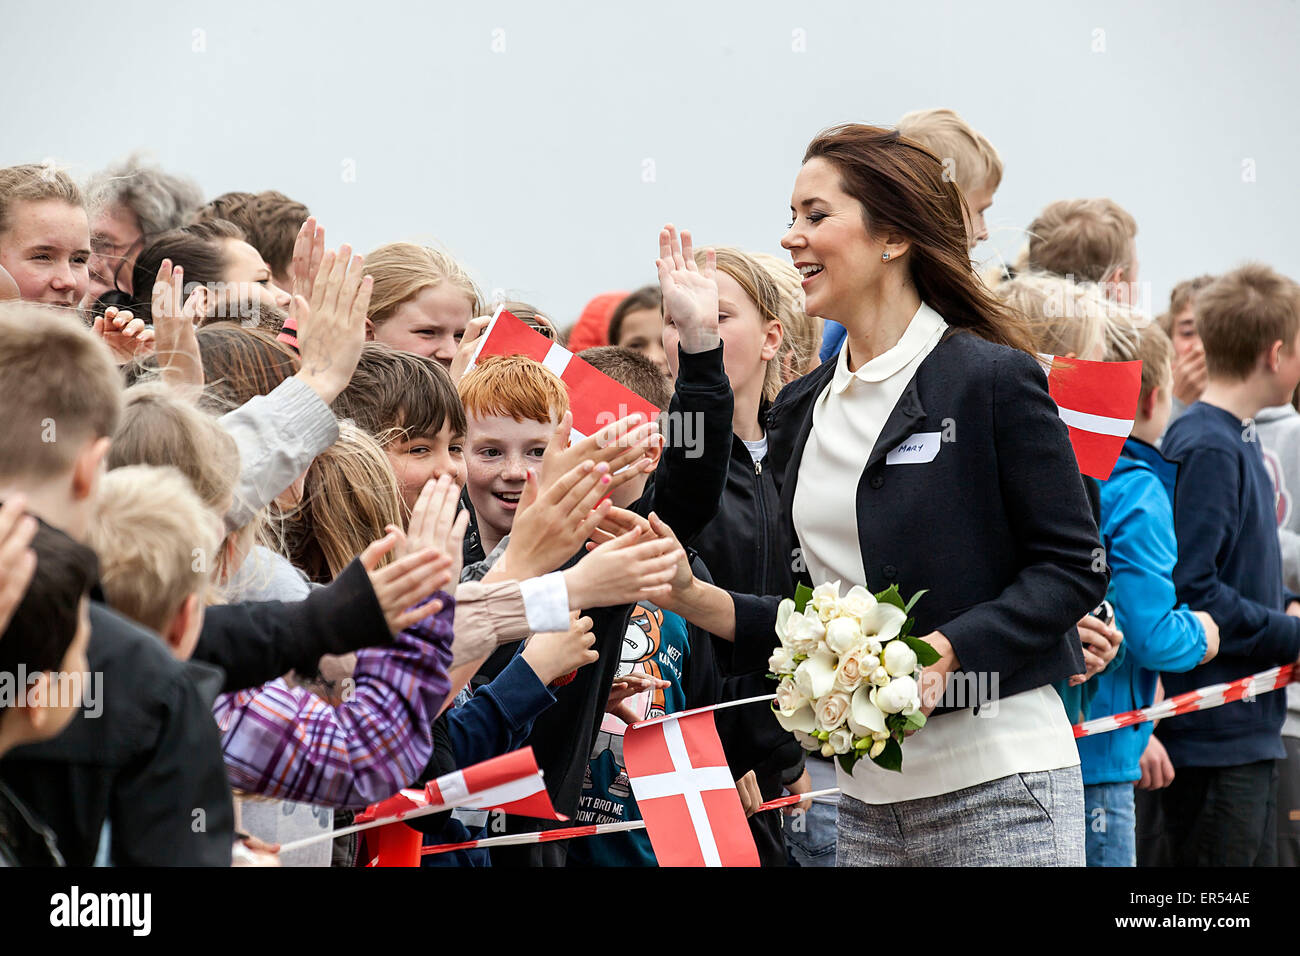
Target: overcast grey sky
[(546, 143)]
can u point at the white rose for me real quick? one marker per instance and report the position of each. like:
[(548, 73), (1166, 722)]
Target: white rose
[(897, 694), (804, 633), (781, 661), (843, 634), (816, 676), (783, 612), (823, 600), (857, 602), (831, 711), (841, 740), (801, 720), (899, 659), (883, 622), (864, 716), (852, 669), (788, 698), (807, 741)]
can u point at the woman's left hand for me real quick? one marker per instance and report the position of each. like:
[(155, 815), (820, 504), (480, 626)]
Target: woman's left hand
[(1100, 645), (934, 679)]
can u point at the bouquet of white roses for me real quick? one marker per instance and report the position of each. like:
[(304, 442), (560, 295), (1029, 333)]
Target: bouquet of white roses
[(849, 672)]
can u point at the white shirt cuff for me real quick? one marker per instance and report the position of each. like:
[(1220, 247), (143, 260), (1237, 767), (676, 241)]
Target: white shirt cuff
[(546, 602)]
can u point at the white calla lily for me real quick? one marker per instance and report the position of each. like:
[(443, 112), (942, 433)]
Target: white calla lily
[(802, 720), (865, 717), (815, 677), (783, 612), (883, 622)]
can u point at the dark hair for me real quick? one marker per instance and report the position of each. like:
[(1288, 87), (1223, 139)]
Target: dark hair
[(199, 249), (646, 297), (45, 622), (239, 363), (632, 370), (270, 220), (902, 188), (396, 396)]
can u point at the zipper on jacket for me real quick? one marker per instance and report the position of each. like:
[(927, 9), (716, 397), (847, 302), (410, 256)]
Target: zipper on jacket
[(761, 576)]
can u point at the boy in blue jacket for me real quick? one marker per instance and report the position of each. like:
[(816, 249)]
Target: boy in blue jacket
[(1137, 528), (1220, 808)]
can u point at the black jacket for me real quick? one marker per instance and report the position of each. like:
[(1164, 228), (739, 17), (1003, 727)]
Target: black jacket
[(996, 526), (151, 761), (24, 840)]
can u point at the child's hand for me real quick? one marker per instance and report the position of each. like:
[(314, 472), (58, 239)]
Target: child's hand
[(177, 347), (126, 336), (554, 654), (308, 253), (332, 327), (750, 797), (402, 584), (435, 524), (622, 445), (626, 687), (690, 295), (1211, 636), (468, 343), (1190, 375), (629, 568), (802, 785), (17, 560), (1157, 769), (551, 525)]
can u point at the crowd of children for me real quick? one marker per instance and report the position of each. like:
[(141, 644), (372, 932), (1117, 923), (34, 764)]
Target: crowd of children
[(276, 543)]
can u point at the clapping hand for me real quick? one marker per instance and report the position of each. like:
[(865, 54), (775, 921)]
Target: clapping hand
[(622, 445), (402, 584), (127, 337), (690, 294), (435, 524), (554, 654), (332, 324), (177, 346), (626, 687), (552, 524)]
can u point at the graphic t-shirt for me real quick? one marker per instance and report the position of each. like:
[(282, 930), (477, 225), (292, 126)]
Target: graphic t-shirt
[(656, 644)]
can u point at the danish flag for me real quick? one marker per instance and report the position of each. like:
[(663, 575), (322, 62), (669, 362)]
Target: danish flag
[(595, 399), (685, 792), (1098, 403)]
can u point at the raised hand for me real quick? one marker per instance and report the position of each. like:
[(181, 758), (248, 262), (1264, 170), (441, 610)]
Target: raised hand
[(127, 337), (474, 331), (551, 525), (176, 344), (308, 253), (404, 583), (554, 654), (332, 325), (621, 445), (629, 568), (626, 687), (436, 524), (690, 293)]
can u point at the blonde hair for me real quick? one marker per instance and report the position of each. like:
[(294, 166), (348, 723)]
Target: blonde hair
[(1241, 314), (968, 158), (1154, 349), (349, 496), (157, 542), (33, 182), (59, 389), (402, 269), (1085, 238), (801, 333), (757, 282), (1063, 316)]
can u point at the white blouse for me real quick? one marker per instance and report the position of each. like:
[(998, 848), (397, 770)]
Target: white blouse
[(1025, 733)]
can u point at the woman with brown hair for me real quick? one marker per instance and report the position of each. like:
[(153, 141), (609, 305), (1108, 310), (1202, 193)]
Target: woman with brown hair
[(928, 455)]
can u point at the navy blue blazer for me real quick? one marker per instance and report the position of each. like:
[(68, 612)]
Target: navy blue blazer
[(996, 525)]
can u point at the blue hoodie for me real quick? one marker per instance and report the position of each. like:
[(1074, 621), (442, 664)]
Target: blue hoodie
[(1137, 528)]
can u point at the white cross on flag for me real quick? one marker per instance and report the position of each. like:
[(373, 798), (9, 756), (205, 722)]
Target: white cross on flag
[(595, 399), (685, 792), (1098, 403)]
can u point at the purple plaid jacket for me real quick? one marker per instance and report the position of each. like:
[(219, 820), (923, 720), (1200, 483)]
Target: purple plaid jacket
[(286, 742)]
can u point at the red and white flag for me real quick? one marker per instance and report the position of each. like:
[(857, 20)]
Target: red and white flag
[(595, 399), (685, 792), (1098, 403)]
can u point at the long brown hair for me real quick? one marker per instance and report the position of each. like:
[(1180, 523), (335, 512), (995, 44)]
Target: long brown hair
[(239, 363), (902, 188)]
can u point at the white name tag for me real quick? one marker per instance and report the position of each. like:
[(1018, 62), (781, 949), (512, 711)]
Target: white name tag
[(916, 450)]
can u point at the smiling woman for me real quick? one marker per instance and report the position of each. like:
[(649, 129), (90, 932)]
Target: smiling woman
[(44, 234)]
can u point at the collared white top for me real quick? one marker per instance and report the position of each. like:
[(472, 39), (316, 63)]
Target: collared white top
[(1025, 733)]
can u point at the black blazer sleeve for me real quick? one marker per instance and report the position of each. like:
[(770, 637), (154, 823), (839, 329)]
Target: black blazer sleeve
[(259, 641), (692, 474), (1051, 521)]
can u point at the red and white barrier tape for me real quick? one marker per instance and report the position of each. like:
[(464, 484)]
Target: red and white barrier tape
[(1203, 698), (594, 829)]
